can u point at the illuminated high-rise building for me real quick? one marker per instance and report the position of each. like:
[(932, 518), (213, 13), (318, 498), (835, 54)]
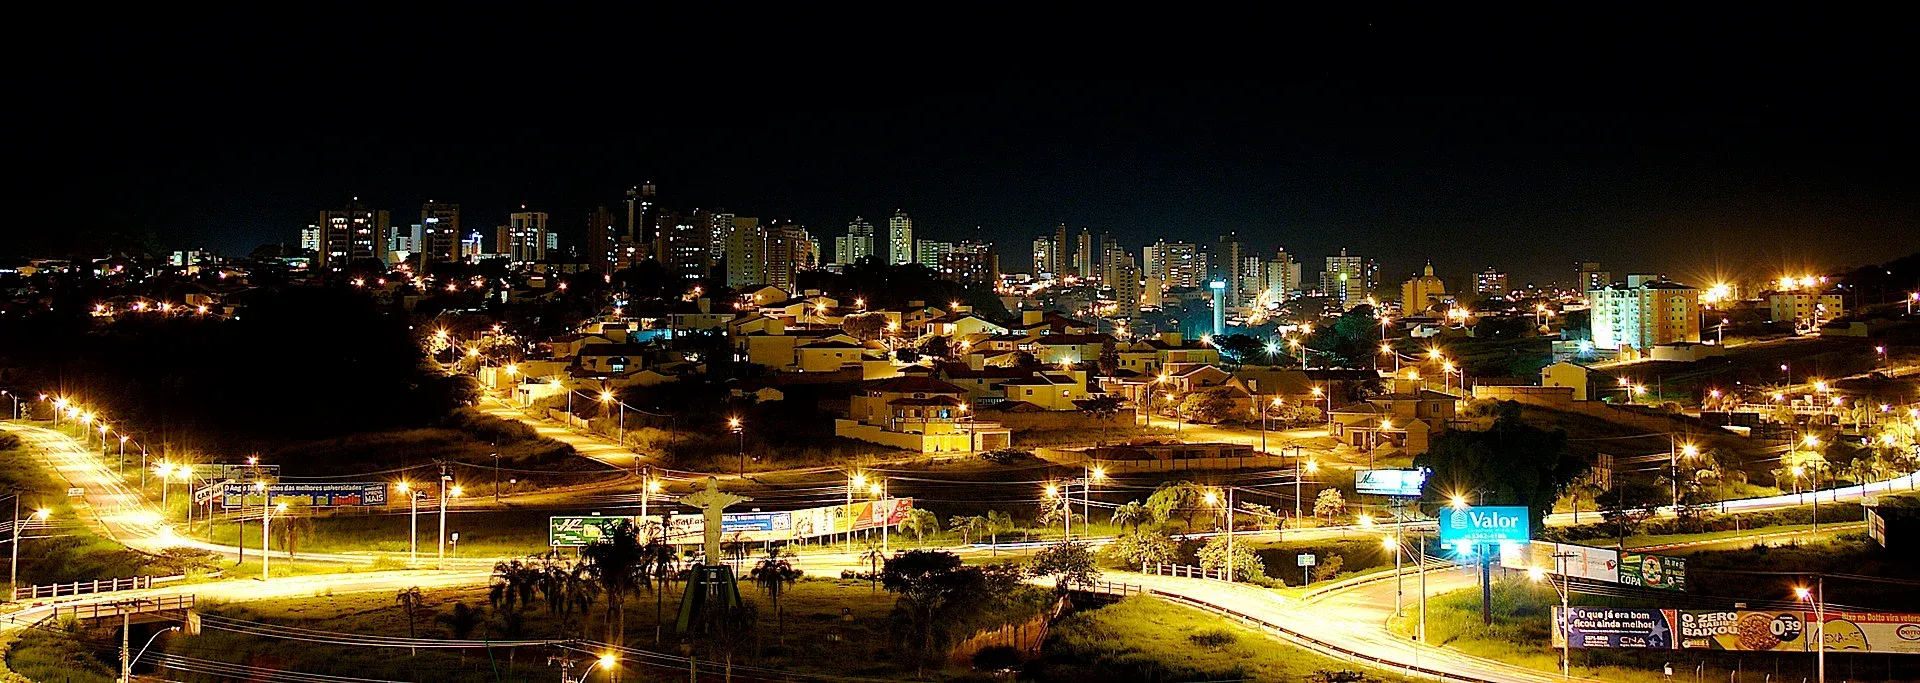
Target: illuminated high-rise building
[(857, 244), (439, 238), (349, 235), (1645, 311), (1347, 279), (790, 251), (899, 239), (971, 262), (524, 238), (603, 241), (1490, 282), (746, 253)]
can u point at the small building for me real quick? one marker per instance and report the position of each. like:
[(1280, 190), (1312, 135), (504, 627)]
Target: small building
[(1584, 381), (920, 414)]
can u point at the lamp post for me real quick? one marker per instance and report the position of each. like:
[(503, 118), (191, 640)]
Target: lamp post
[(648, 487), (733, 424), (13, 567), (266, 538), (413, 522), (1317, 391), (166, 476), (1179, 423), (1263, 422), (607, 399), (446, 490), (126, 672), (604, 661), (123, 455), (1818, 596), (1561, 587), (1093, 474), (857, 480)]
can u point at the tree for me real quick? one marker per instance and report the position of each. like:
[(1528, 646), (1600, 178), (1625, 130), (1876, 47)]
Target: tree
[(1132, 515), (1246, 564), (1329, 504), (866, 326), (1110, 360), (1101, 408), (874, 555), (998, 522), (513, 586), (295, 523), (1238, 349), (940, 348), (412, 602), (462, 620), (1510, 463), (1330, 568), (920, 522), (774, 573), (968, 527), (1068, 563), (1208, 405), (1265, 517), (1175, 498), (1628, 504), (621, 564), (1145, 546), (927, 582)]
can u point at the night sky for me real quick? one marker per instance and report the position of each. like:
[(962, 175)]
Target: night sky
[(1746, 177)]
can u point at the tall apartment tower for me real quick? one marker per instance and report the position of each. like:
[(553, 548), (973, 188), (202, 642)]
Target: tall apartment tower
[(1646, 311), (1590, 275), (856, 244), (899, 238), (354, 233), (1346, 279), (1226, 265), (719, 223), (1043, 258), (524, 238), (746, 253), (789, 252), (682, 244), (1490, 282), (603, 240), (1283, 275), (1062, 258), (929, 253), (439, 239), (1083, 265), (643, 218)]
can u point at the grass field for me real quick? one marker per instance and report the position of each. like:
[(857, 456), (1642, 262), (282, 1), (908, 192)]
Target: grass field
[(818, 639), (1150, 640)]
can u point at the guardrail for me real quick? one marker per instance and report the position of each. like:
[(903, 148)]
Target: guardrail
[(1183, 570), (55, 590), (104, 610), (1109, 588)]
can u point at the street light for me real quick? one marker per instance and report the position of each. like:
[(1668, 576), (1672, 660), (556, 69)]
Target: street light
[(733, 424), (1817, 596), (126, 671), (1399, 547), (413, 521), (446, 489), (40, 515), (607, 398), (857, 480), (266, 538), (1537, 574)]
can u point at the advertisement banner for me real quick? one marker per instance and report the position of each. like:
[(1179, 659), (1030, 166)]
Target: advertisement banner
[(1653, 571), (236, 494), (1795, 631), (1614, 627), (1485, 524), (575, 531), (1580, 562), (237, 472), (1404, 483)]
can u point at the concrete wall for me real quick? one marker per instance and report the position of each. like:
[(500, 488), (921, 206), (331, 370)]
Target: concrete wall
[(1064, 419), (1558, 398)]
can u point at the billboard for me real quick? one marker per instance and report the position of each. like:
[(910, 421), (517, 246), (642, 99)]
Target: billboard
[(1581, 562), (575, 531), (1653, 571), (736, 527), (236, 494), (1611, 627), (1740, 630), (1402, 483), (1485, 524)]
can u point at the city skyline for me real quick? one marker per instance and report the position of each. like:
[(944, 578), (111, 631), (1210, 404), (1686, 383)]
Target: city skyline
[(1527, 185)]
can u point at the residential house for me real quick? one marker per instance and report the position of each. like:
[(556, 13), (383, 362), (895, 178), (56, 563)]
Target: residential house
[(959, 325), (1048, 390), (757, 296), (1056, 349), (1585, 381), (920, 414), (827, 355), (1409, 420)]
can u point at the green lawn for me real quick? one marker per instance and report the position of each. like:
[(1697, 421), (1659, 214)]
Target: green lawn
[(1147, 639), (817, 639)]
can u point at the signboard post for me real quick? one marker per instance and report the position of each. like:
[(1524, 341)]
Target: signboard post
[(1306, 562), (1473, 526), (1395, 483), (236, 494)]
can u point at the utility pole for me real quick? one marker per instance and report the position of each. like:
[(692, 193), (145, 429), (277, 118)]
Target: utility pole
[(443, 509), (126, 660)]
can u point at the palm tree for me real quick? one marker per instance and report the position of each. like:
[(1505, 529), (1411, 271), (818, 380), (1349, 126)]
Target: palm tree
[(998, 522), (874, 556), (662, 563), (968, 527), (920, 522), (1132, 515), (411, 601), (514, 583), (580, 591), (774, 573), (462, 620), (618, 563)]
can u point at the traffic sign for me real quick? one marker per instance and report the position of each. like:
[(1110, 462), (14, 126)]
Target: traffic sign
[(1305, 559), (1485, 524)]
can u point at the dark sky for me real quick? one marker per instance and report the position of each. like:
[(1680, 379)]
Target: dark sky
[(1740, 168)]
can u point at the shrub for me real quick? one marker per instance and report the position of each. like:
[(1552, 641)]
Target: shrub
[(1214, 639)]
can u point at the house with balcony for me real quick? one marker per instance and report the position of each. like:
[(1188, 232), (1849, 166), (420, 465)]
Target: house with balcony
[(919, 413)]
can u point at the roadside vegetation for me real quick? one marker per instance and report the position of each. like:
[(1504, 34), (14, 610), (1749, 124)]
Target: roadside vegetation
[(1147, 639)]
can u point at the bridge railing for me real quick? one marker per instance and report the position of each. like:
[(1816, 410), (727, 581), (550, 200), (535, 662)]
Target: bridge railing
[(55, 590), (104, 610), (1114, 589), (1183, 570)]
